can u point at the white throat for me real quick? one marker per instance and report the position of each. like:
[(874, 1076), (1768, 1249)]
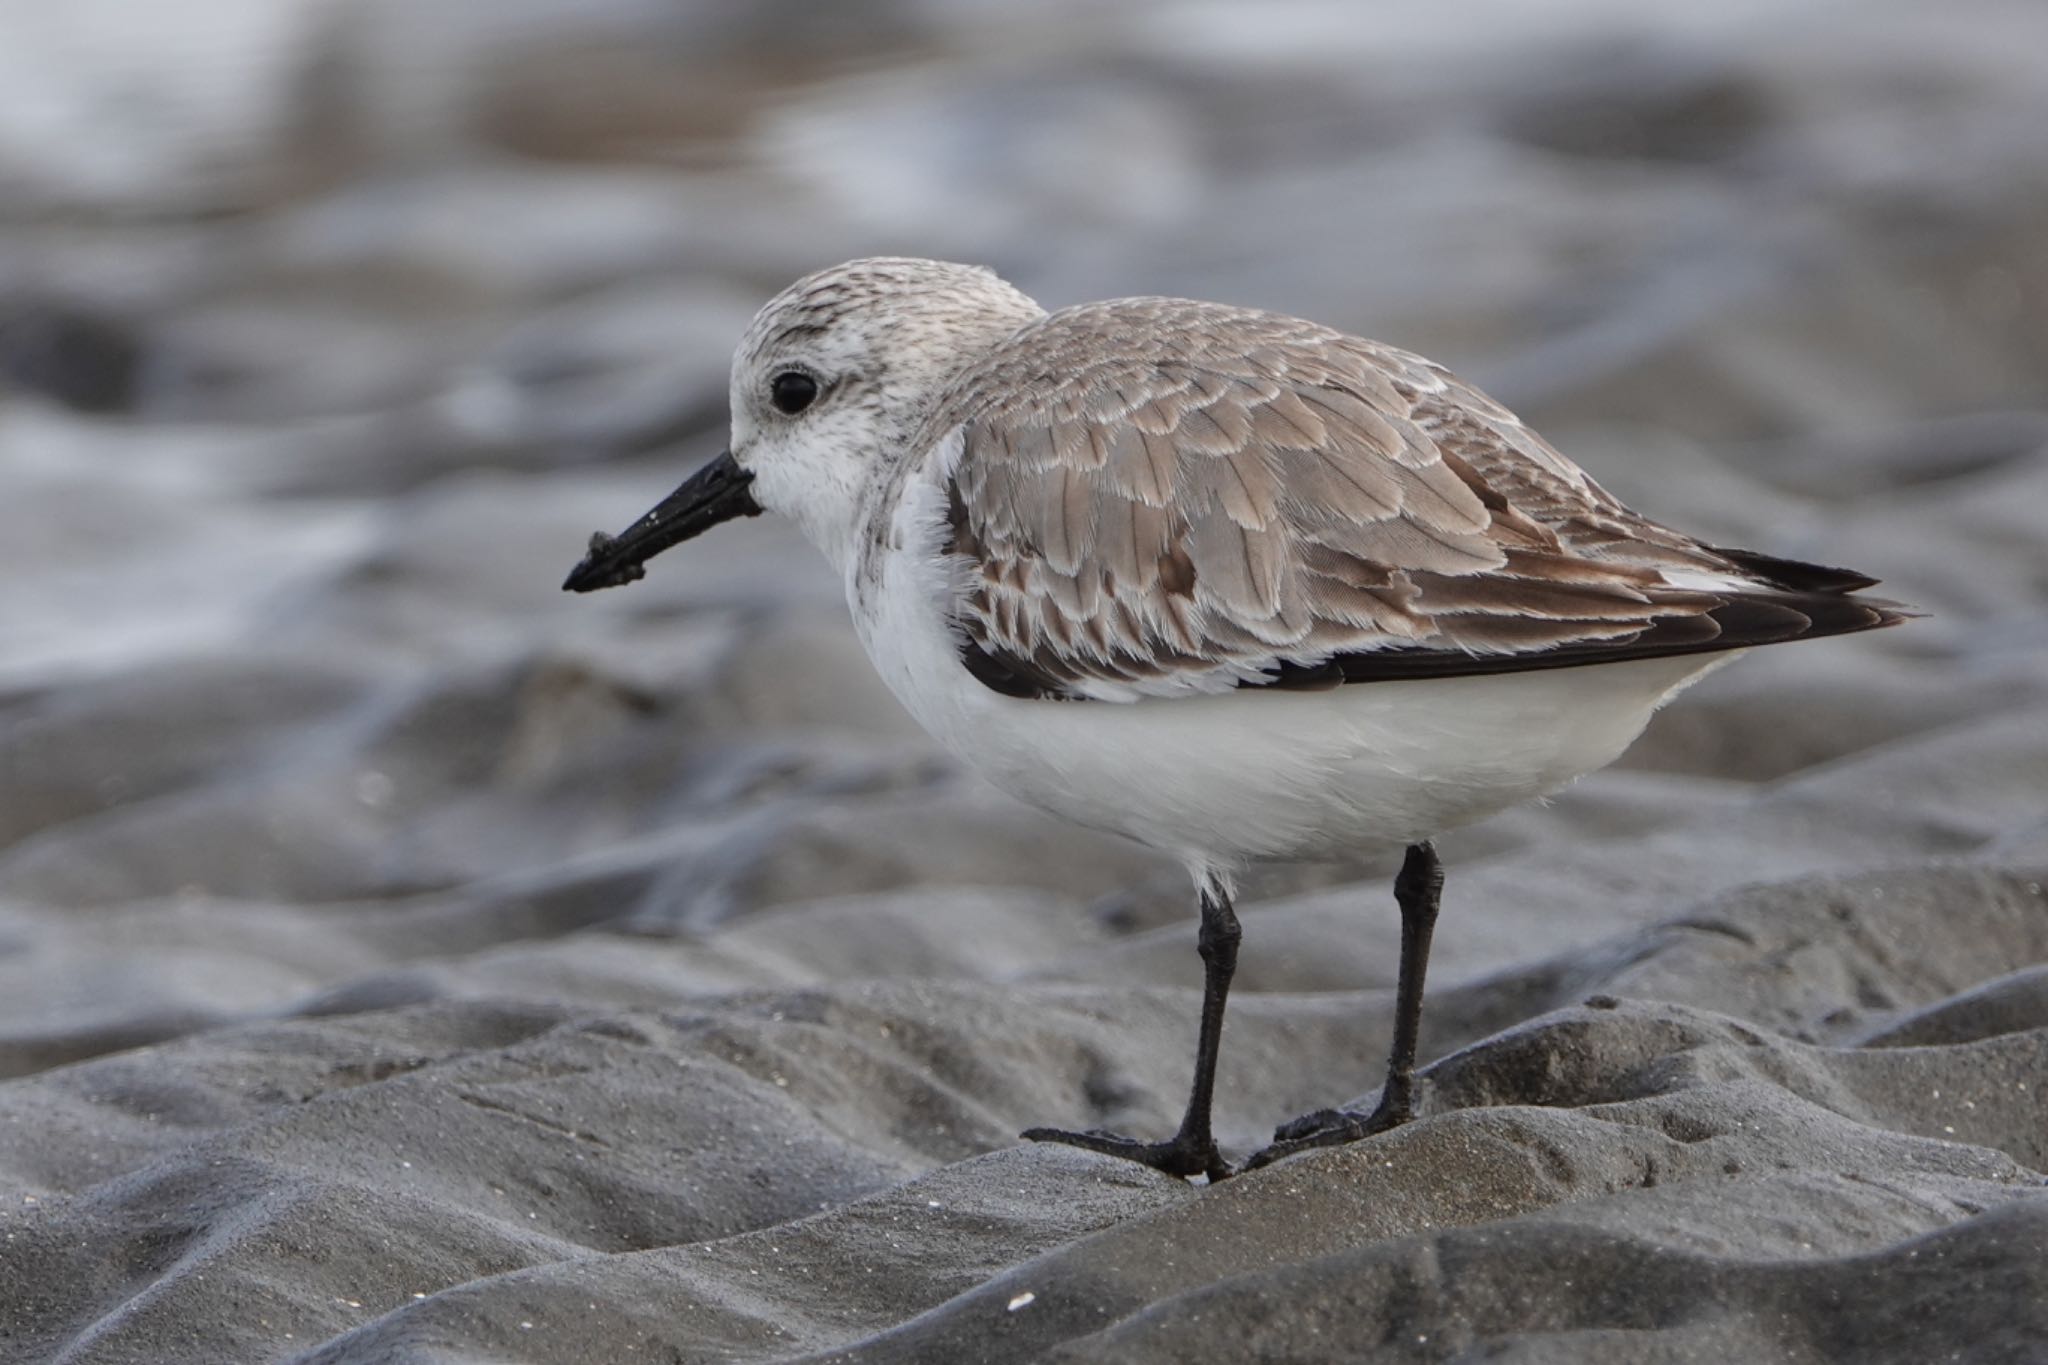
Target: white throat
[(826, 503)]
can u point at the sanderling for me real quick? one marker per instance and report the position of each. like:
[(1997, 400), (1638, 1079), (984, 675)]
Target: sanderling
[(1230, 584)]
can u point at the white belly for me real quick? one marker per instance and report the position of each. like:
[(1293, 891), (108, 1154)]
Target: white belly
[(1256, 774)]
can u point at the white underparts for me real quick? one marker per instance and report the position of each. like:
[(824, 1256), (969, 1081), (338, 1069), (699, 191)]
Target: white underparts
[(1263, 773)]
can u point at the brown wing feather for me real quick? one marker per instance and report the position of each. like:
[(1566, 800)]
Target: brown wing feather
[(1158, 497)]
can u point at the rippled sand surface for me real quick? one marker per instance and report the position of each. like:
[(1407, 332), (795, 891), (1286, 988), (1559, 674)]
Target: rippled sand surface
[(400, 960)]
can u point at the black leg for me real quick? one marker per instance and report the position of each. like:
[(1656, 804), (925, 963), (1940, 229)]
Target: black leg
[(1417, 889), (1192, 1150)]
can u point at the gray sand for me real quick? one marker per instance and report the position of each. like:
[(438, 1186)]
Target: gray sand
[(401, 961)]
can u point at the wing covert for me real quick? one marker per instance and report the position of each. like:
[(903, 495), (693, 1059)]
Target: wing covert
[(1161, 497)]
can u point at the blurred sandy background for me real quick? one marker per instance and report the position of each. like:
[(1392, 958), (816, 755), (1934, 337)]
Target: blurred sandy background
[(402, 960)]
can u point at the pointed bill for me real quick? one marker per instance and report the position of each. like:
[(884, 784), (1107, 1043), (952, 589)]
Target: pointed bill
[(717, 492)]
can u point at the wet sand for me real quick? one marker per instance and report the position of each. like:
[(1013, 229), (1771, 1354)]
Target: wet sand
[(400, 960)]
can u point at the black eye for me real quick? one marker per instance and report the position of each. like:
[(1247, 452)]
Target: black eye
[(792, 391)]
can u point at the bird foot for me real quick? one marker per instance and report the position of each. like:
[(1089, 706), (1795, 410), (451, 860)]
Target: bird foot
[(1329, 1128), (1182, 1156)]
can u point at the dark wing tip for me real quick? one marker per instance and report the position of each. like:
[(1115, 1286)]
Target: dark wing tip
[(1795, 575), (1738, 622)]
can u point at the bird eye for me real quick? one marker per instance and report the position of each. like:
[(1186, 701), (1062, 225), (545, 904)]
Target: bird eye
[(792, 391)]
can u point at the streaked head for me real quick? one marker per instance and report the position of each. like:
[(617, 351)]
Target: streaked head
[(832, 378)]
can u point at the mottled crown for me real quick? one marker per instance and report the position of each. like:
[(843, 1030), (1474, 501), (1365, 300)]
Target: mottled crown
[(921, 304)]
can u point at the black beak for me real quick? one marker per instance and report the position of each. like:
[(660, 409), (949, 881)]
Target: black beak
[(715, 493)]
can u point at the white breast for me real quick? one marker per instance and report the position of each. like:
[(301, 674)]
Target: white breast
[(1256, 774)]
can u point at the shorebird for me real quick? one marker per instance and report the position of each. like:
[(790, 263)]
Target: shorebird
[(1231, 584)]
